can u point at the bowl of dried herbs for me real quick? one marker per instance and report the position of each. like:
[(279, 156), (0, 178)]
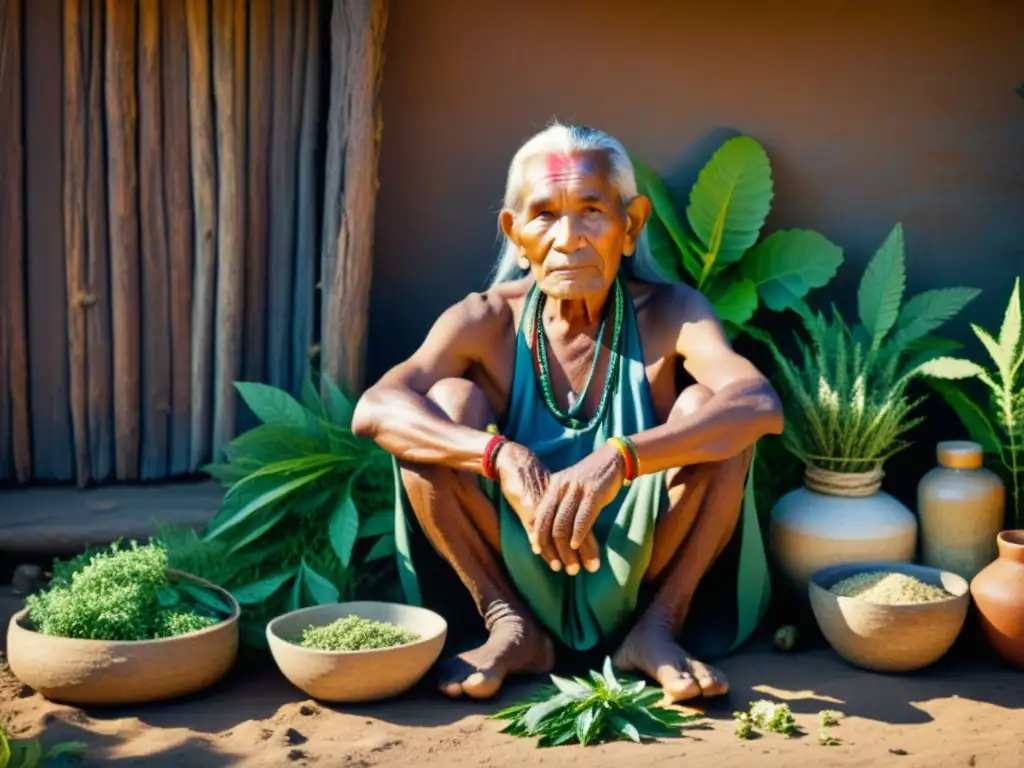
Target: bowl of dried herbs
[(356, 651), (889, 617), (117, 626)]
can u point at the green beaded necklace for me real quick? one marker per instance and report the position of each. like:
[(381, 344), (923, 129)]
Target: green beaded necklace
[(570, 418)]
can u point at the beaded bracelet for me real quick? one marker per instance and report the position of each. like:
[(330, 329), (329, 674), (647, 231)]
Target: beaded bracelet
[(629, 458), (491, 451)]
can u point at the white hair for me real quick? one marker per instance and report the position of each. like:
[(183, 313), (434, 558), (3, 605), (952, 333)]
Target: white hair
[(566, 139)]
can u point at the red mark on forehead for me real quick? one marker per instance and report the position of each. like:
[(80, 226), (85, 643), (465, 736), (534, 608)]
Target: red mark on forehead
[(559, 165)]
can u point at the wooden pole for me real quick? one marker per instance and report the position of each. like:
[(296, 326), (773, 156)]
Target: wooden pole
[(174, 49), (12, 235), (97, 269), (261, 40), (156, 319), (353, 148), (229, 78), (124, 231), (75, 90), (204, 196)]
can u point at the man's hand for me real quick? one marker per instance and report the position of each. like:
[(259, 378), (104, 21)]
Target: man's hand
[(524, 481), (574, 499)]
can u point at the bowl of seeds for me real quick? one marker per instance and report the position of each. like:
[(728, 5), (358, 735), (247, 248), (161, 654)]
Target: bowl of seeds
[(356, 651), (889, 617)]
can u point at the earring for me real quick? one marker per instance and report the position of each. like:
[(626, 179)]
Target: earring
[(523, 263)]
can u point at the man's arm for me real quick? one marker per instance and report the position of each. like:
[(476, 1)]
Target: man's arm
[(395, 412), (744, 406)]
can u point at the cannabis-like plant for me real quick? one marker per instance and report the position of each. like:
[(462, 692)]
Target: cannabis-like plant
[(1000, 427), (308, 514), (590, 711), (845, 398), (714, 244)]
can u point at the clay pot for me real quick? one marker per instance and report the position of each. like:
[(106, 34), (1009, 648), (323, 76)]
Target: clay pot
[(889, 638), (961, 506), (354, 676), (998, 592), (814, 527), (77, 671)]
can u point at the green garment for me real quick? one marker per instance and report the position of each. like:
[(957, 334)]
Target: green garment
[(583, 610)]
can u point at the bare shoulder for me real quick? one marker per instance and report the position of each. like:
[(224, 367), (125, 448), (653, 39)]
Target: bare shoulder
[(675, 306)]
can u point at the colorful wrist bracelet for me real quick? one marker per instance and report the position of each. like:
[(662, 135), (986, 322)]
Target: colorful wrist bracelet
[(629, 458), (493, 445)]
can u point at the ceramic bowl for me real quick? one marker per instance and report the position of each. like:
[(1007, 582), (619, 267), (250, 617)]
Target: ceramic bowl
[(356, 676), (76, 671), (889, 638)]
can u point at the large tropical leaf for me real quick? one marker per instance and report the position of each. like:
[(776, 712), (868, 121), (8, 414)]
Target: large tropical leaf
[(272, 405), (672, 261), (319, 588), (881, 288), (258, 531), (259, 591), (730, 202), (269, 443), (734, 301), (339, 406), (787, 264), (343, 528), (925, 312), (275, 493)]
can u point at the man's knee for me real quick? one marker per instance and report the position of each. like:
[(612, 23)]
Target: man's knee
[(691, 400), (462, 401)]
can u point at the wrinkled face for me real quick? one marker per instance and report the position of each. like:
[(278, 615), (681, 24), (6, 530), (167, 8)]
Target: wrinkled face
[(571, 226)]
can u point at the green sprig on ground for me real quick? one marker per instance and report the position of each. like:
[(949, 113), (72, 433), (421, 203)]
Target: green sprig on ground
[(592, 710), (355, 633)]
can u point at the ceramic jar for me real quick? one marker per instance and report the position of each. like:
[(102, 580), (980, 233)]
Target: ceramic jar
[(998, 592), (961, 507), (835, 519)]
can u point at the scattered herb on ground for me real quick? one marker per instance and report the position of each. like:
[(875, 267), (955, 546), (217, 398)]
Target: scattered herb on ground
[(828, 718), (887, 588), (590, 711), (354, 633), (122, 594), (29, 753), (778, 718)]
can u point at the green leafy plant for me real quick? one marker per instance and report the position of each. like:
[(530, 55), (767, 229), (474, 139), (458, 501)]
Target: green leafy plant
[(590, 711), (999, 428), (846, 403), (123, 594), (355, 633), (308, 517), (29, 753), (714, 244)]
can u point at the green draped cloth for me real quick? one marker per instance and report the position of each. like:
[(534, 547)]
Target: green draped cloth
[(582, 611)]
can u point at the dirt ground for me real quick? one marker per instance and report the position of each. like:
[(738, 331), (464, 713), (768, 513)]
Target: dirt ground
[(963, 712)]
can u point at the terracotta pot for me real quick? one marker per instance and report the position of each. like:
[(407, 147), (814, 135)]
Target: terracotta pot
[(814, 529), (998, 592), (961, 506), (351, 676), (77, 671), (889, 638)]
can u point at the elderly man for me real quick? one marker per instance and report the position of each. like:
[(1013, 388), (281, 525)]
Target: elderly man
[(550, 451)]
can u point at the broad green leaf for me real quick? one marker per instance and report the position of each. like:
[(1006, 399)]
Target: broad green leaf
[(979, 428), (950, 368), (734, 302), (227, 474), (168, 597), (587, 723), (1009, 333), (262, 590), (881, 288), (925, 312), (295, 598), (271, 443), (788, 264), (383, 547), (68, 748), (311, 397), (1004, 363), (25, 753), (272, 405), (570, 687), (610, 679), (535, 714), (343, 528), (206, 597), (729, 202), (340, 407), (276, 493), (5, 749), (325, 461), (626, 728), (273, 519), (677, 261), (664, 252), (377, 524), (319, 588)]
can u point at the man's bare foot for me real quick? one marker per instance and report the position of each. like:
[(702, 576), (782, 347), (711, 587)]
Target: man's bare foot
[(650, 648), (515, 646)]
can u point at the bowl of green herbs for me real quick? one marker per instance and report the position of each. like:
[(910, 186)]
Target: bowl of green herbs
[(356, 651), (118, 626)]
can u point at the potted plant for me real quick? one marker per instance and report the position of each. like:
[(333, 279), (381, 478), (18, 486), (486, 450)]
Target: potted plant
[(847, 412), (118, 626)]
